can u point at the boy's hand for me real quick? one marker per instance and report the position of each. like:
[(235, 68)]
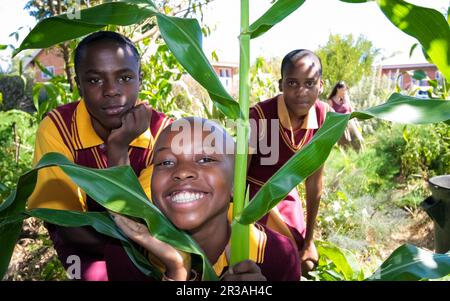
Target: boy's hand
[(177, 263), (246, 270), (308, 257), (134, 123)]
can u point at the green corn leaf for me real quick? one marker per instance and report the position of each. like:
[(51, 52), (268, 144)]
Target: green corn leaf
[(409, 262), (408, 110), (61, 28), (149, 2), (117, 189), (9, 235), (11, 209), (398, 108), (102, 223), (345, 262), (276, 13), (427, 25), (296, 169), (184, 39)]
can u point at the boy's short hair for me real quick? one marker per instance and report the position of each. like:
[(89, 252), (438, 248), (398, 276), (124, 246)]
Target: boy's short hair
[(104, 36), (294, 55)]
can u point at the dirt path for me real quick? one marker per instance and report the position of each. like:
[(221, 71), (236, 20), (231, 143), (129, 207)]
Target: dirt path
[(419, 233), (34, 257)]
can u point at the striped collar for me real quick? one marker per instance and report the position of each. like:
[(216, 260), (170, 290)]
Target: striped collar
[(87, 137), (257, 246), (309, 122)]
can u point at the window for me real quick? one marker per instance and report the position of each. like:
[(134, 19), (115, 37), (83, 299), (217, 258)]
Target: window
[(224, 72), (50, 69)]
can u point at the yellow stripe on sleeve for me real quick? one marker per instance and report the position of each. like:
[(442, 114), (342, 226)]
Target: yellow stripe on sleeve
[(54, 189)]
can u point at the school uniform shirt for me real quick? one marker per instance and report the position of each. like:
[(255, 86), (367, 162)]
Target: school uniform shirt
[(343, 108), (269, 116), (68, 130), (275, 254)]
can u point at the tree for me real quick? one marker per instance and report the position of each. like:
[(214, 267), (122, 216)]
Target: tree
[(347, 59), (264, 76), (41, 9)]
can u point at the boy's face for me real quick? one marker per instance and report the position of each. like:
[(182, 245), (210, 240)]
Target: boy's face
[(192, 187), (108, 79), (301, 85)]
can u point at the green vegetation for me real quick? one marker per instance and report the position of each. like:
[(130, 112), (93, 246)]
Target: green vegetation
[(341, 55), (369, 194), (17, 129)]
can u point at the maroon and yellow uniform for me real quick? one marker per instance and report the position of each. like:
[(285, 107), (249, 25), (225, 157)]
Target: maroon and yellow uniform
[(68, 130), (287, 217), (275, 254)]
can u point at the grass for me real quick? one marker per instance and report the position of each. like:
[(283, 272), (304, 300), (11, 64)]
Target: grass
[(367, 201)]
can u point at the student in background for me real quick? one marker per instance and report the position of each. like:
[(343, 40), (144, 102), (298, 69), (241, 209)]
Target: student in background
[(339, 100), (288, 122)]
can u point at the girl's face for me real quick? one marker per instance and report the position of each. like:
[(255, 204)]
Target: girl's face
[(191, 185), (341, 91)]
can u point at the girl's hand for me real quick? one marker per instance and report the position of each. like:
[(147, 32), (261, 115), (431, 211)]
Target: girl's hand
[(309, 257), (246, 270), (177, 263)]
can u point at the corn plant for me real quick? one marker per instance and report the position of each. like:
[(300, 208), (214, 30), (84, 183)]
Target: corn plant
[(407, 262), (117, 188)]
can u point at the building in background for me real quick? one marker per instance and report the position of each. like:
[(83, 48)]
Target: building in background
[(228, 74), (399, 70), (49, 58)]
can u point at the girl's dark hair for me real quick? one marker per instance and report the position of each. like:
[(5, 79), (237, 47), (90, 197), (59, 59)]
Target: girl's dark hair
[(339, 85), (104, 36), (294, 55)]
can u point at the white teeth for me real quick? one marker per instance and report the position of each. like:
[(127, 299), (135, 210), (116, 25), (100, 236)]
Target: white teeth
[(186, 197)]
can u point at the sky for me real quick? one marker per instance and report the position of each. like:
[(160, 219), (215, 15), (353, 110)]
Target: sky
[(13, 16), (308, 27)]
